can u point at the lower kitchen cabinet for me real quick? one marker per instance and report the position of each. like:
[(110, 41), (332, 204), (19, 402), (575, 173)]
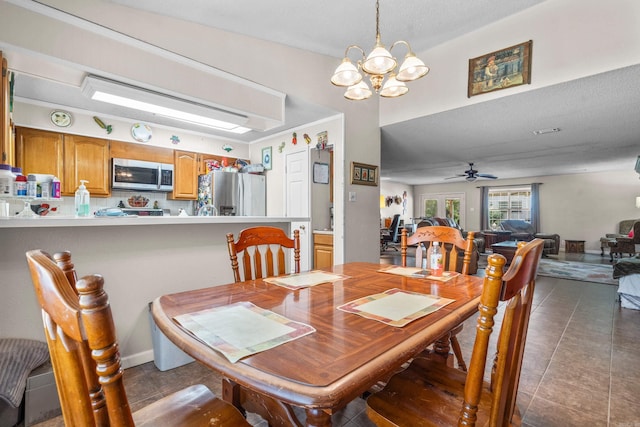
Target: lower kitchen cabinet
[(322, 250)]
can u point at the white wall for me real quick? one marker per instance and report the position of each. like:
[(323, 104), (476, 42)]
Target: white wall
[(571, 39), (392, 189), (580, 207)]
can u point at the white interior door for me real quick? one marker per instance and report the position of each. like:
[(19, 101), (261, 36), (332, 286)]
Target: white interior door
[(298, 201)]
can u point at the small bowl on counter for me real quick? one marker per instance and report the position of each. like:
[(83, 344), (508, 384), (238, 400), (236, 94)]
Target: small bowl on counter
[(137, 201)]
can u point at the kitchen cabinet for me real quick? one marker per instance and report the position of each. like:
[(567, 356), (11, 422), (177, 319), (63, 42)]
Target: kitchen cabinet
[(188, 165), (185, 183), (7, 153), (39, 151), (86, 158), (322, 250), (68, 157), (133, 151)]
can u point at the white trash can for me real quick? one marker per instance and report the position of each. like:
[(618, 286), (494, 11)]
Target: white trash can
[(166, 355)]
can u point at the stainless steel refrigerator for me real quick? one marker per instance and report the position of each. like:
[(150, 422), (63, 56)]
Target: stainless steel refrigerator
[(232, 193)]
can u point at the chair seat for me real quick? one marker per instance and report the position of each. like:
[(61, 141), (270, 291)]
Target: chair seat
[(409, 397), (192, 406)]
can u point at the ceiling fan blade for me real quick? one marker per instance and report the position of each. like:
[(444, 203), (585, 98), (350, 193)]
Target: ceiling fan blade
[(486, 175)]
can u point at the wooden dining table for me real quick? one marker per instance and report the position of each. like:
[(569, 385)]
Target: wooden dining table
[(346, 355)]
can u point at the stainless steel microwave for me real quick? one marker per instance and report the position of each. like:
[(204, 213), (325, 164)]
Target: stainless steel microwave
[(141, 175)]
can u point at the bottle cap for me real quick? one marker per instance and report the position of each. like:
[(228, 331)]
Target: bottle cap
[(5, 167)]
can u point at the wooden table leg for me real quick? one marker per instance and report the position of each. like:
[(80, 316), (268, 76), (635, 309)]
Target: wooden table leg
[(318, 418)]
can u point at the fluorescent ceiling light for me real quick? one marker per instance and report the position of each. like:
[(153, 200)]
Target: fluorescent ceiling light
[(112, 92)]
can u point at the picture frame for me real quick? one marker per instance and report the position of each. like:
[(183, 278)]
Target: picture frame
[(320, 173), (501, 69), (364, 174), (267, 159)]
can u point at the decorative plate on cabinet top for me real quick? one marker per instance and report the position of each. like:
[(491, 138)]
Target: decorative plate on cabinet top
[(61, 118), (141, 132)]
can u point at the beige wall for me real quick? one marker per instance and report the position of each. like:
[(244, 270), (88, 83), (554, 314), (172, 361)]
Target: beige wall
[(580, 207)]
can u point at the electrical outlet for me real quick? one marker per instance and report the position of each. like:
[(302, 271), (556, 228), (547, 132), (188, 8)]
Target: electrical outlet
[(352, 196)]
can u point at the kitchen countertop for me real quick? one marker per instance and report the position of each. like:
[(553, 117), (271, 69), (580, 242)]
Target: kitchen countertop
[(71, 221)]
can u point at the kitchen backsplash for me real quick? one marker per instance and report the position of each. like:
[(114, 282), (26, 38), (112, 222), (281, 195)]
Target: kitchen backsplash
[(66, 205)]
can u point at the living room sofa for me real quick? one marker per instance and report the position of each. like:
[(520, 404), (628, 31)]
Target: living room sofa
[(523, 230)]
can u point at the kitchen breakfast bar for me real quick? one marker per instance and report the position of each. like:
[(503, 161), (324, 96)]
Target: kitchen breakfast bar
[(140, 258)]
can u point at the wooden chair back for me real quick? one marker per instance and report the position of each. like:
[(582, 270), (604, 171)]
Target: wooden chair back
[(429, 394), (82, 342), (262, 252), (82, 398), (515, 288), (450, 240)]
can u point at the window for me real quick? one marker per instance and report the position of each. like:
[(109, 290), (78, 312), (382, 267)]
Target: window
[(509, 203)]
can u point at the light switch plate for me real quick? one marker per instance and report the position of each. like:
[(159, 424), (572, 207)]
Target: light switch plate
[(352, 196)]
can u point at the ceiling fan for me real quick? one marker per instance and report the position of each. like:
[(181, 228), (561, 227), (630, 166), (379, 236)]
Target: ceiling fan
[(471, 174)]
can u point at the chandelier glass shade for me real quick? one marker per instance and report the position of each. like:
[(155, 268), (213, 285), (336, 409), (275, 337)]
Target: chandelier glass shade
[(378, 65)]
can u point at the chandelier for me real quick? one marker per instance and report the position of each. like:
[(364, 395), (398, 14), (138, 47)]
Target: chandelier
[(378, 65)]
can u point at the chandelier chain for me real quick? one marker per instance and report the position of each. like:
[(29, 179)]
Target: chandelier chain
[(377, 20)]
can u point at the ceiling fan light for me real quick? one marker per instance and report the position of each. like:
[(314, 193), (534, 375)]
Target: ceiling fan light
[(358, 92), (379, 61), (471, 178), (412, 69), (393, 88), (346, 74)]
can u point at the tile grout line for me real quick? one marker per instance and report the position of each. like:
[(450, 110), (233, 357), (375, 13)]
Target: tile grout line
[(533, 396)]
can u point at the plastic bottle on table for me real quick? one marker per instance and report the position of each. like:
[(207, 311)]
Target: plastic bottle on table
[(82, 200), (435, 261)]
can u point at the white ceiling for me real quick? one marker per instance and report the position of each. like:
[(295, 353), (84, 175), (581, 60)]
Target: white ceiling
[(598, 115)]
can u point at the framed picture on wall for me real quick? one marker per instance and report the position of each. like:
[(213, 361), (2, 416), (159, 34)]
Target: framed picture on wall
[(363, 174), (501, 69), (266, 158)]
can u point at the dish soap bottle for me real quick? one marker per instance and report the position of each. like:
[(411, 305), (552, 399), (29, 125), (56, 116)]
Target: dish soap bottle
[(435, 262), (82, 200)]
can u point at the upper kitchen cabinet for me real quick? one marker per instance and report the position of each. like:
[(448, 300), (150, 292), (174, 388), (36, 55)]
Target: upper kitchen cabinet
[(88, 159), (185, 184), (68, 157), (7, 153), (39, 151), (149, 153)]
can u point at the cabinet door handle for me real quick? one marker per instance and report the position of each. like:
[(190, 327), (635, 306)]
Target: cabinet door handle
[(302, 227)]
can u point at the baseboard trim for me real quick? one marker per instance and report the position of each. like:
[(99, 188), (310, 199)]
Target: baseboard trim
[(137, 359)]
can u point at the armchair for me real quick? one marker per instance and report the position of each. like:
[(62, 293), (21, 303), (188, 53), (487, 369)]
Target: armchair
[(627, 245), (522, 230)]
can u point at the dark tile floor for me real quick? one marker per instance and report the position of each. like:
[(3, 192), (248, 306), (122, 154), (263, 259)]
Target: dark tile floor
[(581, 365)]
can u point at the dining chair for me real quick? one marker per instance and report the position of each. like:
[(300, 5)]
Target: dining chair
[(430, 394), (452, 243), (262, 252), (82, 343)]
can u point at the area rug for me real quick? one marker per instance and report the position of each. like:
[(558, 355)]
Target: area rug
[(571, 270)]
